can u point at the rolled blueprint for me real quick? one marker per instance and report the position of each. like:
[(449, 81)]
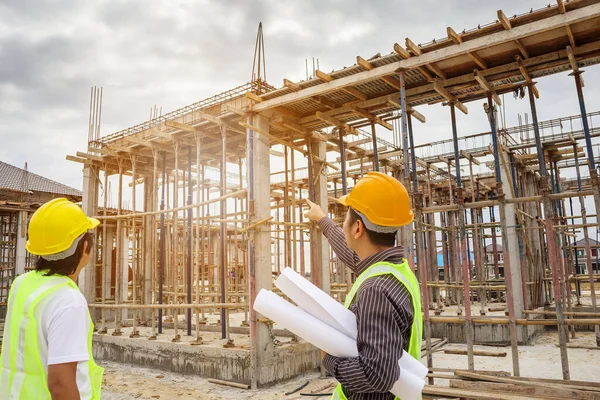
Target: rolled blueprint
[(328, 339), (326, 309), (408, 362), (408, 386), (316, 302), (304, 325)]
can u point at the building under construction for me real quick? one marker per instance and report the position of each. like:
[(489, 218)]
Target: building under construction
[(215, 191)]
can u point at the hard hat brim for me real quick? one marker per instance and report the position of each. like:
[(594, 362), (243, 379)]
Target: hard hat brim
[(343, 200), (93, 222)]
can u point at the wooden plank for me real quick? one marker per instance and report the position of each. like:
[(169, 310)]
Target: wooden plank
[(411, 46), (391, 81), (557, 381), (522, 49), (402, 52), (364, 63), (372, 117), (536, 392), (356, 93), (481, 377), (326, 102), (570, 35), (526, 75), (291, 85), (477, 60), (437, 86), (323, 76), (437, 71), (533, 28), (561, 6), (504, 20), (572, 60), (482, 353), (336, 122), (452, 35), (469, 394), (180, 126), (254, 97), (419, 117), (486, 86)]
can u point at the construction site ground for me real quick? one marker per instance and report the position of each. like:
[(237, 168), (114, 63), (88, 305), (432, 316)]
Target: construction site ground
[(540, 360)]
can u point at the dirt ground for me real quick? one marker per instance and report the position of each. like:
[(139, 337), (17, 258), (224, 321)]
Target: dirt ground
[(542, 360)]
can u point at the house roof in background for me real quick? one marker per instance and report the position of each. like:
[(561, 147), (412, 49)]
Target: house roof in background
[(19, 180)]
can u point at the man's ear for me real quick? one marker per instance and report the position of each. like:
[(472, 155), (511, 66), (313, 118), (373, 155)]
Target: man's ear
[(360, 229), (85, 248)]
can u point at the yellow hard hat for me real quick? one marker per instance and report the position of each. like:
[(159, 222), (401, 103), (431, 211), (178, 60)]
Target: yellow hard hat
[(55, 225), (382, 200)]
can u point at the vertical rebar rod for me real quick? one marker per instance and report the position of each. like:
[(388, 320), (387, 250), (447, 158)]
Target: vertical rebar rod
[(161, 264)]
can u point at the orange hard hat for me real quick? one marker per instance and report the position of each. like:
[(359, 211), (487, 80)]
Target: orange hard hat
[(383, 200)]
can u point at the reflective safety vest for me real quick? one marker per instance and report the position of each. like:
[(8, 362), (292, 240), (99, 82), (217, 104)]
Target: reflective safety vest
[(403, 273), (23, 376)]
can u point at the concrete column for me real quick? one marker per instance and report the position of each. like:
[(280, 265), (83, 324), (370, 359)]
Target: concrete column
[(149, 250), (110, 232), (125, 263), (21, 239), (89, 205), (511, 240), (259, 246), (321, 277)]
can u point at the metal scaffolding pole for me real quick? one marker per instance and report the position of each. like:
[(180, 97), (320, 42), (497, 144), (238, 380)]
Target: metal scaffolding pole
[(548, 220)]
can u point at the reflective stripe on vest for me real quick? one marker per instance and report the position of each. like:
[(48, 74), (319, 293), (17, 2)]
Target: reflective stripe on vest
[(23, 375), (403, 273)]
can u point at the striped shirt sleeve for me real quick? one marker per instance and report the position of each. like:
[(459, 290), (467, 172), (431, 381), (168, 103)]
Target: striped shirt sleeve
[(337, 241), (380, 343)]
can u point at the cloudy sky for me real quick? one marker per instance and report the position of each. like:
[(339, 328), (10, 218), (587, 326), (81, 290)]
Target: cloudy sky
[(171, 53)]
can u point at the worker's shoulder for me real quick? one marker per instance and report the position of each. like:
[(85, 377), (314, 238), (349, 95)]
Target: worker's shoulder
[(384, 283), (66, 296)]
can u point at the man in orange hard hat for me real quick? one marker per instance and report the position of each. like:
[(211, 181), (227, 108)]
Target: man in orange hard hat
[(47, 346), (385, 297)]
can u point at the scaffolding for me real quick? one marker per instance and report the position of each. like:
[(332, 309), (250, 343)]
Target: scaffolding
[(222, 183)]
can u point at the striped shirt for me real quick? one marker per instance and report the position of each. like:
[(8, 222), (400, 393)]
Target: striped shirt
[(384, 317)]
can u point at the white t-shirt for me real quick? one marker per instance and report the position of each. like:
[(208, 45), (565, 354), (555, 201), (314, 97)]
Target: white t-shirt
[(63, 327)]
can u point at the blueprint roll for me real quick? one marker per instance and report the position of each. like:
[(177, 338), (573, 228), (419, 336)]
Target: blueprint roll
[(303, 324), (409, 363), (316, 302), (408, 386)]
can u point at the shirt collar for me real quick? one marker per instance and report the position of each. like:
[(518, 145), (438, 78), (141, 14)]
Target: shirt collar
[(392, 254)]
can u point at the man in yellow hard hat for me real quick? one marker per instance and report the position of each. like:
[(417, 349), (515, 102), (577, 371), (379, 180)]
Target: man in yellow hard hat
[(47, 346), (385, 297)]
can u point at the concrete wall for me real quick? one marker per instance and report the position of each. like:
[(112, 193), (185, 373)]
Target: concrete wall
[(486, 334), (288, 361)]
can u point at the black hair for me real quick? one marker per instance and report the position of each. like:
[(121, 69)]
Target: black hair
[(66, 266), (376, 238)]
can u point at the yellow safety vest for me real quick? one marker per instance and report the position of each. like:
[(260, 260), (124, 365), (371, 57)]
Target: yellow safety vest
[(23, 375), (403, 273)]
